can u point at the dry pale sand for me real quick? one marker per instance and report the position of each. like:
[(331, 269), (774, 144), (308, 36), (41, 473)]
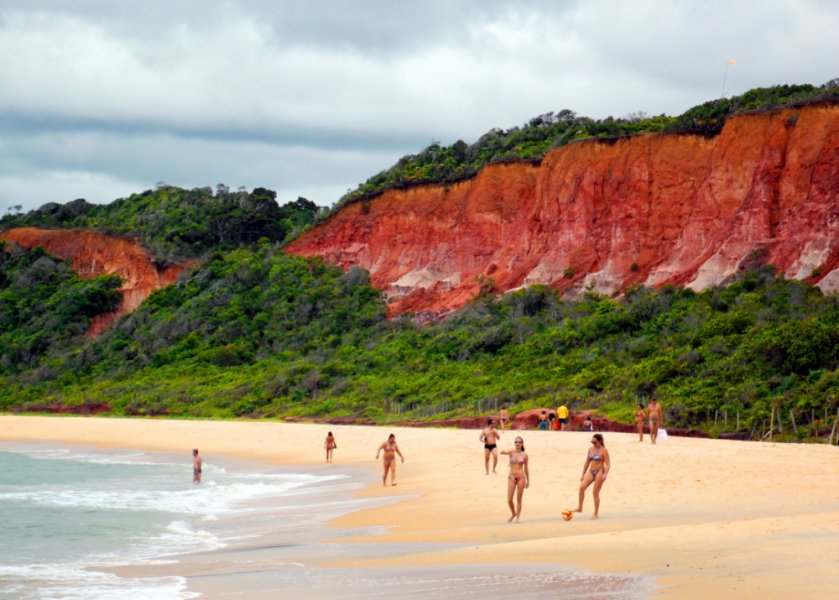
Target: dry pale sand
[(706, 518)]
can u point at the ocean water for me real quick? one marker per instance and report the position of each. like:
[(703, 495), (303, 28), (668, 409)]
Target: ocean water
[(82, 524), (70, 518)]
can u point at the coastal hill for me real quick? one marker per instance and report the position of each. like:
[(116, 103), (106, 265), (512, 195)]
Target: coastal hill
[(591, 263), (92, 254), (653, 209), (148, 239)]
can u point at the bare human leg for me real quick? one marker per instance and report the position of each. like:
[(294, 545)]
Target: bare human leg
[(597, 485), (519, 493), (511, 486), (587, 480)]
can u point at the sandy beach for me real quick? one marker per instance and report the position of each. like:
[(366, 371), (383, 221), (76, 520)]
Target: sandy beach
[(701, 518)]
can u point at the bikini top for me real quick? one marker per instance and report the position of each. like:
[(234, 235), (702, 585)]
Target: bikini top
[(596, 456), (518, 458)]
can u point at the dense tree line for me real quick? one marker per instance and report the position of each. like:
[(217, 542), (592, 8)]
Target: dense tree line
[(253, 332), (44, 305), (531, 141), (257, 333), (176, 223)]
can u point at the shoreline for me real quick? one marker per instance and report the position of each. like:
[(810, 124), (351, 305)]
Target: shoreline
[(700, 517)]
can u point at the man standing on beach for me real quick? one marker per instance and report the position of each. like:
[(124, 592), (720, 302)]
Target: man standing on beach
[(489, 436), (656, 416), (562, 416), (196, 466)]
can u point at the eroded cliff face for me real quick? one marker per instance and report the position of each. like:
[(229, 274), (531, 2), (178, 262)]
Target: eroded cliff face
[(655, 209), (92, 254)]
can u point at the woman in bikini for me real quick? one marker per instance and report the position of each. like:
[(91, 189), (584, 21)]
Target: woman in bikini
[(518, 479), (330, 445), (598, 459), (503, 416), (640, 417), (389, 461)]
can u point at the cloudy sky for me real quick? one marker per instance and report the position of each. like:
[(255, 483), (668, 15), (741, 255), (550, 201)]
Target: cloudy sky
[(101, 98)]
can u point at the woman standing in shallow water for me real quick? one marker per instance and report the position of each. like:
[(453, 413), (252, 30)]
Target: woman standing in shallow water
[(518, 479), (598, 459), (389, 460)]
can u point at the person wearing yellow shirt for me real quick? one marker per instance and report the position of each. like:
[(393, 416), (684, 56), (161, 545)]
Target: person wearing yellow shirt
[(562, 416)]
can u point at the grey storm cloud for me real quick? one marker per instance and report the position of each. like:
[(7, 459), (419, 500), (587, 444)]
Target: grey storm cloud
[(100, 99)]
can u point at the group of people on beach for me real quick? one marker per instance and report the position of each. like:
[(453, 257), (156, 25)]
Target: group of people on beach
[(389, 447), (554, 420), (595, 469), (652, 414), (519, 476)]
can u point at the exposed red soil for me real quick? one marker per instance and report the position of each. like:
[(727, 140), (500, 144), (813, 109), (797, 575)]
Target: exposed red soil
[(653, 209), (92, 254)]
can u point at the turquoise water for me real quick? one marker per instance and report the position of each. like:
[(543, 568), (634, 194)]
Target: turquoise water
[(67, 516), (70, 518)]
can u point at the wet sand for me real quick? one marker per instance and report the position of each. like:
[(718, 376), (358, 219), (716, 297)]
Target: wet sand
[(698, 518)]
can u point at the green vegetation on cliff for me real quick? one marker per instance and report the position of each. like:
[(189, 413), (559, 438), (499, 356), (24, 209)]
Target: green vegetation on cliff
[(177, 223), (531, 141), (45, 306), (256, 333)]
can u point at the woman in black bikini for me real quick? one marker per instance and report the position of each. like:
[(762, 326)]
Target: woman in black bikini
[(518, 479), (598, 459)]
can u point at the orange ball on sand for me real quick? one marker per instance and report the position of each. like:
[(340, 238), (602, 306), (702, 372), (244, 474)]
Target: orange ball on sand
[(567, 515)]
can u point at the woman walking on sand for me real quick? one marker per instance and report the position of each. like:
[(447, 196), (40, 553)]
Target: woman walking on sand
[(518, 479), (598, 459), (389, 460), (640, 417), (503, 416), (330, 445)]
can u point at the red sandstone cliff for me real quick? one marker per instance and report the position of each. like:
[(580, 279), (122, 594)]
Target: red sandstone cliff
[(92, 254), (652, 209)]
